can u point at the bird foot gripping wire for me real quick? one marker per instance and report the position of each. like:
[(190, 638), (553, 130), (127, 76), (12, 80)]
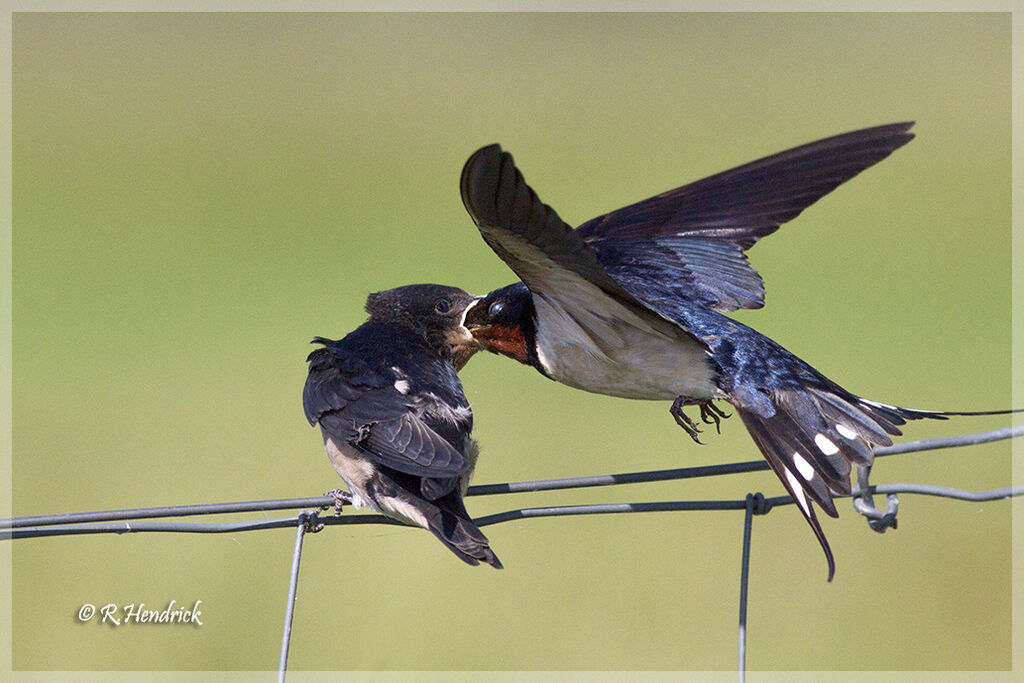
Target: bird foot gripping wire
[(709, 414), (864, 503), (341, 498)]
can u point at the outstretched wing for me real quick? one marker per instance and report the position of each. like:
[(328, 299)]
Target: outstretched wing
[(698, 233), (547, 254), (365, 408)]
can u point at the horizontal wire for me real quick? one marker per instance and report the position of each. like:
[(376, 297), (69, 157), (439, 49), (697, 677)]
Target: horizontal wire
[(730, 468), (487, 520), (950, 441), (166, 511), (946, 492), (79, 522)]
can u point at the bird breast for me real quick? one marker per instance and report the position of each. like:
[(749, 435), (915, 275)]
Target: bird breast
[(606, 355)]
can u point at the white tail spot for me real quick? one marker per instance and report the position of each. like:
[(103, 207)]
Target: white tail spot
[(846, 431), (402, 385), (803, 467), (825, 444), (798, 490)]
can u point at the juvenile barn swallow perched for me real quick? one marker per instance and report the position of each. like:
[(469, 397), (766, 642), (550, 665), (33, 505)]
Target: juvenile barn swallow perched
[(630, 304), (395, 422)]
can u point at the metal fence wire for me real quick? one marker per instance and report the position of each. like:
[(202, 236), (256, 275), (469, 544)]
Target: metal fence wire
[(309, 520)]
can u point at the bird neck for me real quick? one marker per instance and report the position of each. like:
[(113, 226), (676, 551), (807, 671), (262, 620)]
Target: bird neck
[(518, 340)]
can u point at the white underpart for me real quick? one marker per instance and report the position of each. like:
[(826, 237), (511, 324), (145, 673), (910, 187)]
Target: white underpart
[(803, 467), (591, 346), (825, 444), (403, 511), (798, 490), (356, 471), (846, 431)]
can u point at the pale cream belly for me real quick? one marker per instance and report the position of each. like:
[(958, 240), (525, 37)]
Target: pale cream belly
[(356, 471), (641, 366)]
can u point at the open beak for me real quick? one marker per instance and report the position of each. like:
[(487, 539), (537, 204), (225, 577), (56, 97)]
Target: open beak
[(463, 343), (472, 320), (494, 337)]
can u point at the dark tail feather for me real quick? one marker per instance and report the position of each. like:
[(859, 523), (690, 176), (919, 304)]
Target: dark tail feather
[(777, 439), (896, 415), (815, 437), (448, 520)]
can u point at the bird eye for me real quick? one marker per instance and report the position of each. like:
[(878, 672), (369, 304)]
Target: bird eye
[(495, 309), (442, 306)]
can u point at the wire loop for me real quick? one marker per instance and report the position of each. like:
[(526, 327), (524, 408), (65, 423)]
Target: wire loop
[(863, 502)]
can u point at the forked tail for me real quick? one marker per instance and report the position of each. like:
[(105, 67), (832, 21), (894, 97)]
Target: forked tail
[(448, 520), (816, 435)]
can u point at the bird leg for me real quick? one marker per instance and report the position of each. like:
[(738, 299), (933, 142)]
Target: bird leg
[(712, 414), (341, 497), (684, 420)]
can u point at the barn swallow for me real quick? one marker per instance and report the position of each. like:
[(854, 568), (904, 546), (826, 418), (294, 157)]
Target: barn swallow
[(630, 304), (395, 421)]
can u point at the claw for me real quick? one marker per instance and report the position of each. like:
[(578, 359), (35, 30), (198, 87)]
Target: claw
[(712, 414), (684, 420), (341, 497)]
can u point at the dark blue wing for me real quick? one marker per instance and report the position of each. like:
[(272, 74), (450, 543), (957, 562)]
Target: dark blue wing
[(698, 233), (549, 256), (336, 380), (361, 406), (524, 231), (714, 273)]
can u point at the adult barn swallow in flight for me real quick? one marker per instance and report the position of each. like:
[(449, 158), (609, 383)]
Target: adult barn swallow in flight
[(395, 422), (630, 304)]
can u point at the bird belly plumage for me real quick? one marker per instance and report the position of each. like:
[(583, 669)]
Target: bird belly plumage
[(405, 511), (605, 356), (357, 472)]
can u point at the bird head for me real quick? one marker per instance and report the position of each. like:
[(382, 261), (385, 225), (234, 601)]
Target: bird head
[(435, 312), (502, 322)]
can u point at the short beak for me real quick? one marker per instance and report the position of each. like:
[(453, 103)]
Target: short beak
[(464, 345), (468, 321)]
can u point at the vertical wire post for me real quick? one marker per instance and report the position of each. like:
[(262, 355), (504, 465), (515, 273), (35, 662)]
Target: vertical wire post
[(741, 668), (300, 532)]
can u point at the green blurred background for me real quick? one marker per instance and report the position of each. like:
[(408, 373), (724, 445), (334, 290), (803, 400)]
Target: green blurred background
[(197, 195)]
